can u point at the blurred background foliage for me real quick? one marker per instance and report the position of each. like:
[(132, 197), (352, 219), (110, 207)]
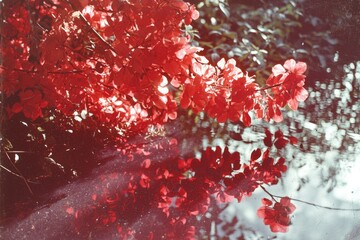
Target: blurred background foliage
[(260, 34)]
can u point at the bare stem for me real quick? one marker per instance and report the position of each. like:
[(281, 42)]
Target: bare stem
[(272, 196)]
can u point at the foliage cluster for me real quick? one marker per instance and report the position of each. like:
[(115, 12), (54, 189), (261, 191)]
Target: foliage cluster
[(107, 70)]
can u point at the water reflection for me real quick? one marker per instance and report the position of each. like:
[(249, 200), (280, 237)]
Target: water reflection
[(331, 124), (324, 167)]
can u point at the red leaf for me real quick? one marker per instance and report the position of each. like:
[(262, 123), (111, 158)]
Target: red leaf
[(16, 108), (268, 138), (278, 134), (280, 143), (255, 154), (246, 119), (266, 202), (293, 140)]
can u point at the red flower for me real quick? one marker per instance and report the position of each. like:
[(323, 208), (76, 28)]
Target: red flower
[(277, 217)]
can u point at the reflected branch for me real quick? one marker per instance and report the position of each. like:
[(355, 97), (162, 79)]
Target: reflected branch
[(271, 195), (310, 203)]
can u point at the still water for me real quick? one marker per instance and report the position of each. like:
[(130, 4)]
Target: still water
[(324, 168)]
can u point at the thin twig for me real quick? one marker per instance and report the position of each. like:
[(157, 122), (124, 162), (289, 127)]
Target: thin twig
[(19, 152), (15, 174), (272, 196), (51, 72), (8, 170), (96, 33), (108, 86), (320, 206), (311, 204), (22, 177), (271, 86), (66, 72)]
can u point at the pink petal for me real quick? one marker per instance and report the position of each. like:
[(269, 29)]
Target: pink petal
[(290, 65), (221, 63), (180, 54), (300, 68), (278, 69), (293, 104), (277, 115), (195, 14), (302, 95), (172, 115), (277, 118)]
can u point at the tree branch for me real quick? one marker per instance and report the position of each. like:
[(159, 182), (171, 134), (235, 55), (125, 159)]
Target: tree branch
[(81, 16), (51, 72)]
